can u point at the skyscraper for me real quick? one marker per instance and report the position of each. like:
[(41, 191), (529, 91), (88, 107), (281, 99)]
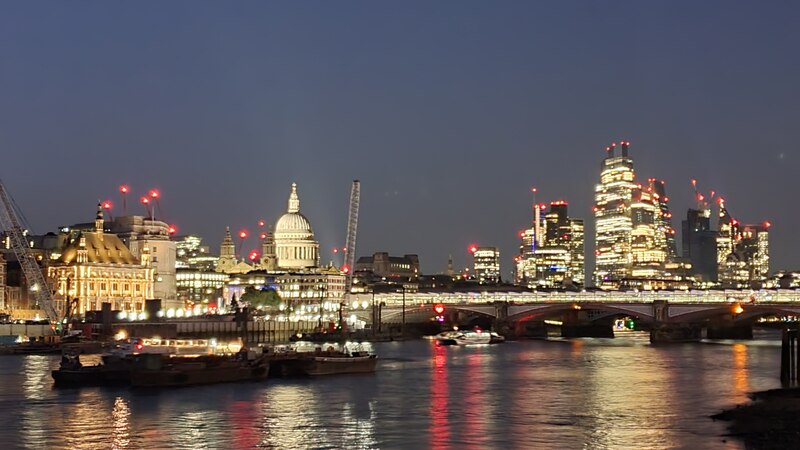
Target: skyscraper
[(612, 211), (555, 259), (699, 243), (742, 251), (486, 264)]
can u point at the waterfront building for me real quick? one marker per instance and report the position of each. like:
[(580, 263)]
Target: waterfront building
[(699, 244), (385, 266), (612, 210), (96, 267), (326, 284), (200, 287), (556, 258), (486, 264), (295, 246), (140, 233)]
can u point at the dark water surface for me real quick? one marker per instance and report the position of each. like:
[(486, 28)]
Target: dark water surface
[(588, 393)]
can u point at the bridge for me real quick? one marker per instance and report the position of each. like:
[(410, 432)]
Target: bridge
[(670, 315)]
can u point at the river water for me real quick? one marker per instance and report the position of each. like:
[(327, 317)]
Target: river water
[(571, 394)]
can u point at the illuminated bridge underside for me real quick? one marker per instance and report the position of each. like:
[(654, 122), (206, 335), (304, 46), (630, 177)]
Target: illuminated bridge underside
[(681, 307)]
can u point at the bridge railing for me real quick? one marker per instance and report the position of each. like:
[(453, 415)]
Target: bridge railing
[(690, 296)]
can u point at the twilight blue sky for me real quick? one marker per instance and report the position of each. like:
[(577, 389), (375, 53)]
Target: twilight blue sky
[(447, 111)]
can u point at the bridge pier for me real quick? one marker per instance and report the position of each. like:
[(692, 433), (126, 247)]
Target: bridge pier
[(663, 333), (729, 331)]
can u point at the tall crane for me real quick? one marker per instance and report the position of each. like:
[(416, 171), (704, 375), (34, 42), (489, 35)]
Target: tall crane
[(350, 244), (9, 221)]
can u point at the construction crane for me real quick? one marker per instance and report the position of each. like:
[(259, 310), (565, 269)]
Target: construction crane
[(9, 221), (350, 243)]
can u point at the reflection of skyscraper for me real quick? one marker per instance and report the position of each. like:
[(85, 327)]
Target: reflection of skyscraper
[(613, 218)]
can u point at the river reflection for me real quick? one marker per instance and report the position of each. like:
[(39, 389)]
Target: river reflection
[(592, 393)]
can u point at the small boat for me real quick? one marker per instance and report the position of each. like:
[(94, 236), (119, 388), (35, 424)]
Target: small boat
[(331, 360), (158, 370), (469, 337)]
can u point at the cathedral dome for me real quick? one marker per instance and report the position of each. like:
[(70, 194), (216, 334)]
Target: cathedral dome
[(293, 223), (295, 246)]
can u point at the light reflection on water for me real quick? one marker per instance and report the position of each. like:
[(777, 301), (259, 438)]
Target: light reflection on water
[(590, 393)]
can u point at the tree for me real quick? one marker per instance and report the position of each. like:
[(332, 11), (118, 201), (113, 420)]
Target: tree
[(265, 297)]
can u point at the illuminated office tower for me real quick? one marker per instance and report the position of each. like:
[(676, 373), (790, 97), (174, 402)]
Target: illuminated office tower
[(486, 264), (556, 259), (648, 246), (742, 252), (665, 233), (612, 211)]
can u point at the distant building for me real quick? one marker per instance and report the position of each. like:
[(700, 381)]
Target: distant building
[(3, 305), (139, 234), (295, 246), (700, 245), (383, 265), (556, 258), (486, 264), (200, 287), (742, 252), (228, 262), (191, 254)]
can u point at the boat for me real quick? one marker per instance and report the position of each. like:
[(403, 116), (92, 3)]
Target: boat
[(448, 337), (117, 364), (330, 360), (473, 337), (158, 370)]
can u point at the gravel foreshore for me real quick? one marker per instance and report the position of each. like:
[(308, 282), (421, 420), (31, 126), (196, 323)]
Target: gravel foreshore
[(770, 421)]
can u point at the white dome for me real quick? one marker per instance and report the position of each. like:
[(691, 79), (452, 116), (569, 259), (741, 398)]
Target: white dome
[(292, 223)]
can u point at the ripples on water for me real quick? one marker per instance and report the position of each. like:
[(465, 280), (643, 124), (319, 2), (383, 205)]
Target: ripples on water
[(588, 393)]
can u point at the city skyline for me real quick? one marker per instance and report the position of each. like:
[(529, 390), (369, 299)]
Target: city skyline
[(227, 106)]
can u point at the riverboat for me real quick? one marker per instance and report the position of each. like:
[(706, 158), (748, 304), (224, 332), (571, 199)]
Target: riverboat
[(469, 337), (156, 370), (329, 359)]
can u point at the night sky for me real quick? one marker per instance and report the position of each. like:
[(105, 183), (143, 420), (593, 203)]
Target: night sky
[(448, 112)]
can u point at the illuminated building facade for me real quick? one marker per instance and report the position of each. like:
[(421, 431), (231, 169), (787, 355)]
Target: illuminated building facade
[(748, 264), (614, 223), (96, 267), (3, 304), (556, 258), (486, 264), (325, 284), (200, 287)]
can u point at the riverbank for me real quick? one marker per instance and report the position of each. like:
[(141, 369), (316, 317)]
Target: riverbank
[(770, 421)]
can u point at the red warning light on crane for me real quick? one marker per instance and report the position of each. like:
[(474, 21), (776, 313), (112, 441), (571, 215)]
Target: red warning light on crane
[(243, 234)]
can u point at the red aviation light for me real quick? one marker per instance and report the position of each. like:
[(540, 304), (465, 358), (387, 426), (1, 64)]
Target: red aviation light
[(263, 235), (522, 233), (107, 204), (335, 250), (533, 189), (173, 229), (438, 308), (346, 268), (154, 193), (261, 223), (124, 189), (473, 248), (243, 234), (767, 224), (144, 200), (666, 199), (253, 255)]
